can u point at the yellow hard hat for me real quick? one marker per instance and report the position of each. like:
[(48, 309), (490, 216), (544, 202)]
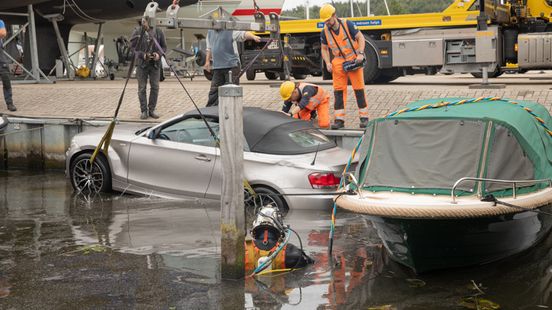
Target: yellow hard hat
[(326, 11), (286, 89)]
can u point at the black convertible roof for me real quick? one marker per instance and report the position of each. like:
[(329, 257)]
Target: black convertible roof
[(268, 131)]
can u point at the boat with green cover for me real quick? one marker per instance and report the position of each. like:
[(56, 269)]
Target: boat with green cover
[(456, 182)]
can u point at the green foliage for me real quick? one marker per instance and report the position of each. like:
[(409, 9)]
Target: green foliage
[(377, 7)]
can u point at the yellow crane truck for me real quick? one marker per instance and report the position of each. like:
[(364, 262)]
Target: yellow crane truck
[(518, 32)]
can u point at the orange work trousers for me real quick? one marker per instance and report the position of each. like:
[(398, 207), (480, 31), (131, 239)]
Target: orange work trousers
[(323, 112), (340, 89)]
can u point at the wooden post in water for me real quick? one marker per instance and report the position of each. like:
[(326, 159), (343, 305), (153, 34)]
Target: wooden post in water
[(232, 222)]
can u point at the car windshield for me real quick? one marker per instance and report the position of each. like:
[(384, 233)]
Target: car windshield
[(308, 138)]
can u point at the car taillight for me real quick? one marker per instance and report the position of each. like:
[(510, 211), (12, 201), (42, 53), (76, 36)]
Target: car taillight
[(323, 180)]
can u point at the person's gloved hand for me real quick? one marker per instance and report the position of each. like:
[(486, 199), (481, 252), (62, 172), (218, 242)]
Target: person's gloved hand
[(294, 109)]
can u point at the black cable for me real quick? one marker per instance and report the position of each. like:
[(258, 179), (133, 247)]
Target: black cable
[(307, 258), (492, 198), (163, 54)]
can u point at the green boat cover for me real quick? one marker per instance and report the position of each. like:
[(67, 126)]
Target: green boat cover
[(429, 145)]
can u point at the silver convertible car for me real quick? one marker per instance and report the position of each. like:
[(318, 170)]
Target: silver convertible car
[(179, 158)]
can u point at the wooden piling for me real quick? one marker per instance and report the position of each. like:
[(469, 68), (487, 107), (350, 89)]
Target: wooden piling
[(232, 208)]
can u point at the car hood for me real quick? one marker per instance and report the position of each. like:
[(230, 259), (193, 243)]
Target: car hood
[(122, 132)]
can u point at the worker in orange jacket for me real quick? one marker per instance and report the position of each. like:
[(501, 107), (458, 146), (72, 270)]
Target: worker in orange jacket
[(301, 100), (347, 49)]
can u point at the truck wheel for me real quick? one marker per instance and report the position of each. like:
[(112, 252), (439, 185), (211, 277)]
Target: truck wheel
[(271, 75), (371, 70), (282, 76), (250, 75), (299, 76), (387, 76)]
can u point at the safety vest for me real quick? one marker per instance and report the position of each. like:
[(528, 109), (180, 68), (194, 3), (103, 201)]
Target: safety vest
[(342, 41), (252, 255), (317, 99)]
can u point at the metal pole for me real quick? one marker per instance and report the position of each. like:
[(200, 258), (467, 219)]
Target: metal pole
[(368, 8), (95, 57), (63, 50), (352, 8), (307, 9), (86, 56), (485, 75), (34, 48), (232, 213)]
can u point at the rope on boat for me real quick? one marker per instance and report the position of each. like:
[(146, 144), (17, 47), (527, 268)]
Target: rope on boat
[(492, 198), (341, 183), (472, 100), (397, 205)]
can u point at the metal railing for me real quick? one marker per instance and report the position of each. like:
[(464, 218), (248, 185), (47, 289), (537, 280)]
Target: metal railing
[(513, 182)]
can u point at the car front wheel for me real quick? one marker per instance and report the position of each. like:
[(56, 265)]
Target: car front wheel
[(90, 178)]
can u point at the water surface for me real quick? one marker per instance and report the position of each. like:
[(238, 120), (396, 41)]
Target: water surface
[(63, 251)]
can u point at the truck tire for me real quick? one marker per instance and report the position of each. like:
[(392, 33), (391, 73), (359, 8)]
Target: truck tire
[(271, 75), (250, 75), (299, 76), (387, 75), (371, 69), (282, 76)]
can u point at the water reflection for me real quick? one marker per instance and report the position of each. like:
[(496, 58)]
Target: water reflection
[(59, 250)]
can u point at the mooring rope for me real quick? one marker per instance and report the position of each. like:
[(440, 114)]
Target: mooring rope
[(341, 183)]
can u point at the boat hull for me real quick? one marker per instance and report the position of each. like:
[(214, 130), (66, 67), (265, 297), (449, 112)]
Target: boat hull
[(431, 244)]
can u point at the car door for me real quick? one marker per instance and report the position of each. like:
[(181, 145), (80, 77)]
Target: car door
[(179, 161), (215, 186)]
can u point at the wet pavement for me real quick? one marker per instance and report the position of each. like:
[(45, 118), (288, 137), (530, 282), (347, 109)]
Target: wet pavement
[(62, 251)]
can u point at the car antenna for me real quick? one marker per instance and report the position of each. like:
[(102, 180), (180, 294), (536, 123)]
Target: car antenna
[(316, 154)]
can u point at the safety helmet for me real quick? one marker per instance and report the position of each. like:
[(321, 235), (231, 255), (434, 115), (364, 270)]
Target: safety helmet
[(326, 12), (286, 89)]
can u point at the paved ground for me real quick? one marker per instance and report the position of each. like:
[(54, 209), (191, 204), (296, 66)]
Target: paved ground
[(98, 99)]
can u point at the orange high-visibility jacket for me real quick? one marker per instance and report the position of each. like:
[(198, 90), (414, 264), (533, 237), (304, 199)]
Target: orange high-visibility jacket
[(343, 42), (316, 100)]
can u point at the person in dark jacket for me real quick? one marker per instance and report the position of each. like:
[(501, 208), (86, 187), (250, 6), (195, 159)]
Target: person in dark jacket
[(4, 70), (148, 51)]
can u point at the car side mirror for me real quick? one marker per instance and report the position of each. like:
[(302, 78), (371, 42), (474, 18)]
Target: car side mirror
[(154, 134)]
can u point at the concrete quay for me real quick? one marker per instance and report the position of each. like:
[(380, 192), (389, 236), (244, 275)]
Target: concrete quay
[(98, 99)]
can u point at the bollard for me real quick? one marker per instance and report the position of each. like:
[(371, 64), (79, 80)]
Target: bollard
[(232, 222)]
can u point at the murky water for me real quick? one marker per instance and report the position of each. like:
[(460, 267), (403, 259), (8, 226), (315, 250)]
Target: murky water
[(63, 251)]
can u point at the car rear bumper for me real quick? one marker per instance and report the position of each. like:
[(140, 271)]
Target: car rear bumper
[(310, 202)]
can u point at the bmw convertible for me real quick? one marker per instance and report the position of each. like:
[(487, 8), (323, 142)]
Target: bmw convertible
[(179, 158)]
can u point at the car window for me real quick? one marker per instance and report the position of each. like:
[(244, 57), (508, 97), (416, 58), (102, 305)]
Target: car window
[(194, 131), (309, 138), (191, 130)]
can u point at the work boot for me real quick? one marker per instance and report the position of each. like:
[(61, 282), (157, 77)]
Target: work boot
[(144, 115), (153, 114), (338, 124), (364, 122), (12, 107)]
